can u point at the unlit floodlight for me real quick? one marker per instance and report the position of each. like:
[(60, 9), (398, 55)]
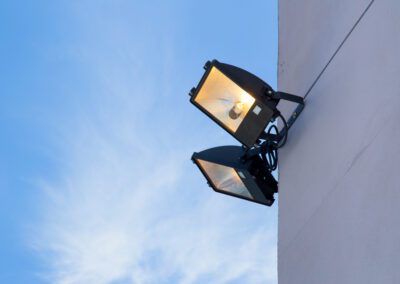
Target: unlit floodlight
[(230, 170)]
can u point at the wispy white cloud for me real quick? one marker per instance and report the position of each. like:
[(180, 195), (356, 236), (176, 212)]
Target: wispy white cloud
[(101, 228), (120, 211)]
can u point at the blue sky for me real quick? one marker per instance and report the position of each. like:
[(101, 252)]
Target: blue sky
[(96, 182)]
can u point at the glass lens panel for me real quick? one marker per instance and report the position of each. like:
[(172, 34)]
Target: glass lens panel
[(223, 99), (225, 178)]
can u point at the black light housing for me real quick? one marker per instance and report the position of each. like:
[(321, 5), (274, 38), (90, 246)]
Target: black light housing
[(243, 105), (231, 170), (239, 101)]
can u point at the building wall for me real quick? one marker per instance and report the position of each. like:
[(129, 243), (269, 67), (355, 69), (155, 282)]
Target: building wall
[(339, 200)]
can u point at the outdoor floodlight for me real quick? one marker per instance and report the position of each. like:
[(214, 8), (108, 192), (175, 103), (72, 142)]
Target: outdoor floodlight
[(233, 171), (239, 101), (243, 105)]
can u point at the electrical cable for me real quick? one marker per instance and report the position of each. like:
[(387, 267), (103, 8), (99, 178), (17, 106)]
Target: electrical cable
[(269, 148), (269, 153), (285, 130)]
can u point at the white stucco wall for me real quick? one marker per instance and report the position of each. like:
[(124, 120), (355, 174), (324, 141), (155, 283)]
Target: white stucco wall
[(339, 200)]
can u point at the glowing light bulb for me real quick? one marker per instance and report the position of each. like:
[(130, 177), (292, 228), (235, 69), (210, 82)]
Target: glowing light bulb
[(236, 110)]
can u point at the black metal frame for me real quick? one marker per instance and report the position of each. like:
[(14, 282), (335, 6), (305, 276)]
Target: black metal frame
[(262, 93), (254, 155), (248, 82), (293, 117), (236, 157), (297, 111)]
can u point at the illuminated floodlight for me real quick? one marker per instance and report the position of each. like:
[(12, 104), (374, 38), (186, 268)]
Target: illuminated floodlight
[(239, 101)]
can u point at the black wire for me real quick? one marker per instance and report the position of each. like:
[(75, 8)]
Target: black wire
[(285, 129), (338, 49), (269, 157), (269, 151), (272, 159), (269, 148)]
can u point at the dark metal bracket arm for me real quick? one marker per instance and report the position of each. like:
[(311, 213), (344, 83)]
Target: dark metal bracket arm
[(295, 99), (250, 153), (288, 97), (272, 141), (295, 115)]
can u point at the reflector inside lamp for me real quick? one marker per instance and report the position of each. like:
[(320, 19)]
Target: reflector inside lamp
[(224, 99), (225, 178)]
